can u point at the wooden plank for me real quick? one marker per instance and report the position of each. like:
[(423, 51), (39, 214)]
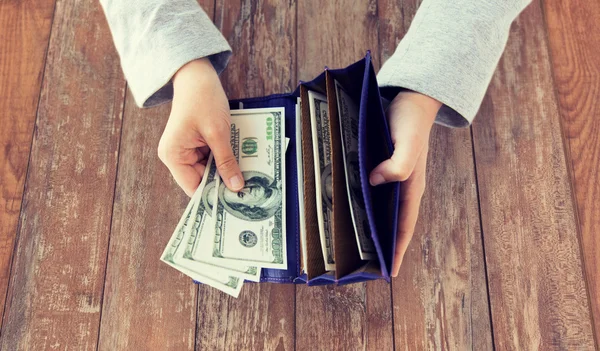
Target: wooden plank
[(537, 290), (263, 38), (262, 35), (440, 296), (354, 316), (574, 43), (24, 34), (56, 287), (147, 304)]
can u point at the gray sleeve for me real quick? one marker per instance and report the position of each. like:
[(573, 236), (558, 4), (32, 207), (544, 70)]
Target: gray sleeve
[(450, 53), (155, 38)]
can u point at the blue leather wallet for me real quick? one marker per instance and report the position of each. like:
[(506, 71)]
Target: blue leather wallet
[(381, 202)]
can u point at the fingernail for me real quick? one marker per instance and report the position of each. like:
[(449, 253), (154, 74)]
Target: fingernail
[(235, 182), (376, 179)]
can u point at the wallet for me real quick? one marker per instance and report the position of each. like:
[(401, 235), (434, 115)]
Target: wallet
[(305, 265)]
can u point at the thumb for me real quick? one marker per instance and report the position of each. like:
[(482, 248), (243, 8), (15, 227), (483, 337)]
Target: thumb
[(397, 168), (227, 165), (410, 127)]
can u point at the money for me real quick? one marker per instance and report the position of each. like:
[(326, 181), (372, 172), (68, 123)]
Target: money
[(200, 232), (250, 224), (229, 284), (323, 183), (300, 170), (348, 115)]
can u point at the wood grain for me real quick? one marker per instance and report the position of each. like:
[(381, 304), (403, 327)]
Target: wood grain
[(147, 304), (440, 300), (574, 43), (354, 316), (440, 296), (55, 290), (537, 291), (24, 34), (262, 36)]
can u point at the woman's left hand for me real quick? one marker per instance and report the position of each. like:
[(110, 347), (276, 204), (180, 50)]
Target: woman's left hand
[(411, 116)]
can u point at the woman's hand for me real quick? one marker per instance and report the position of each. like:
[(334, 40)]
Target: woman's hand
[(199, 121), (411, 116)]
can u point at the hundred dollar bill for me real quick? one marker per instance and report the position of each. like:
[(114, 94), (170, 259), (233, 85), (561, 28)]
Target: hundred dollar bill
[(199, 233), (300, 169), (348, 115), (250, 224), (229, 284), (319, 122), (287, 140)]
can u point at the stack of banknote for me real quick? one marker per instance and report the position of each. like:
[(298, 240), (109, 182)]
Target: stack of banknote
[(225, 237), (321, 141)]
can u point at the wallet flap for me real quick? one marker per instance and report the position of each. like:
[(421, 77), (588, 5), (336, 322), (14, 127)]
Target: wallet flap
[(376, 146)]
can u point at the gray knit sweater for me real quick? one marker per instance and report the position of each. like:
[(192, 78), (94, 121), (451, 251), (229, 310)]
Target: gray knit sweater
[(449, 53)]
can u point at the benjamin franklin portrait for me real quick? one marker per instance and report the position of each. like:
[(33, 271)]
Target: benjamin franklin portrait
[(354, 178), (259, 199), (208, 196), (327, 186)]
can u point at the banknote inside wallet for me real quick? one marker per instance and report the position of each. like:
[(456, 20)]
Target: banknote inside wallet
[(346, 254), (347, 257), (375, 145), (315, 266)]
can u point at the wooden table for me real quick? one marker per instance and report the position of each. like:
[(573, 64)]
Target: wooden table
[(506, 252)]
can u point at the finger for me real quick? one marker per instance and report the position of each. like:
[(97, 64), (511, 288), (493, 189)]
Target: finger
[(200, 168), (201, 156), (180, 161), (218, 141), (187, 177), (410, 124), (408, 145), (203, 152), (395, 169), (411, 193)]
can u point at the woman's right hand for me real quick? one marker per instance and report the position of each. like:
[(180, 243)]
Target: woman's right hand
[(199, 123)]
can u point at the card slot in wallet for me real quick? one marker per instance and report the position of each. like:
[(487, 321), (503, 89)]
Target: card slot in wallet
[(315, 266), (355, 81), (346, 253), (347, 257)]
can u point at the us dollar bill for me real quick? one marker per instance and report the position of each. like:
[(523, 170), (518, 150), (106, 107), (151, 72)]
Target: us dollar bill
[(229, 284), (348, 116), (319, 122), (250, 224), (199, 233), (300, 171)]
